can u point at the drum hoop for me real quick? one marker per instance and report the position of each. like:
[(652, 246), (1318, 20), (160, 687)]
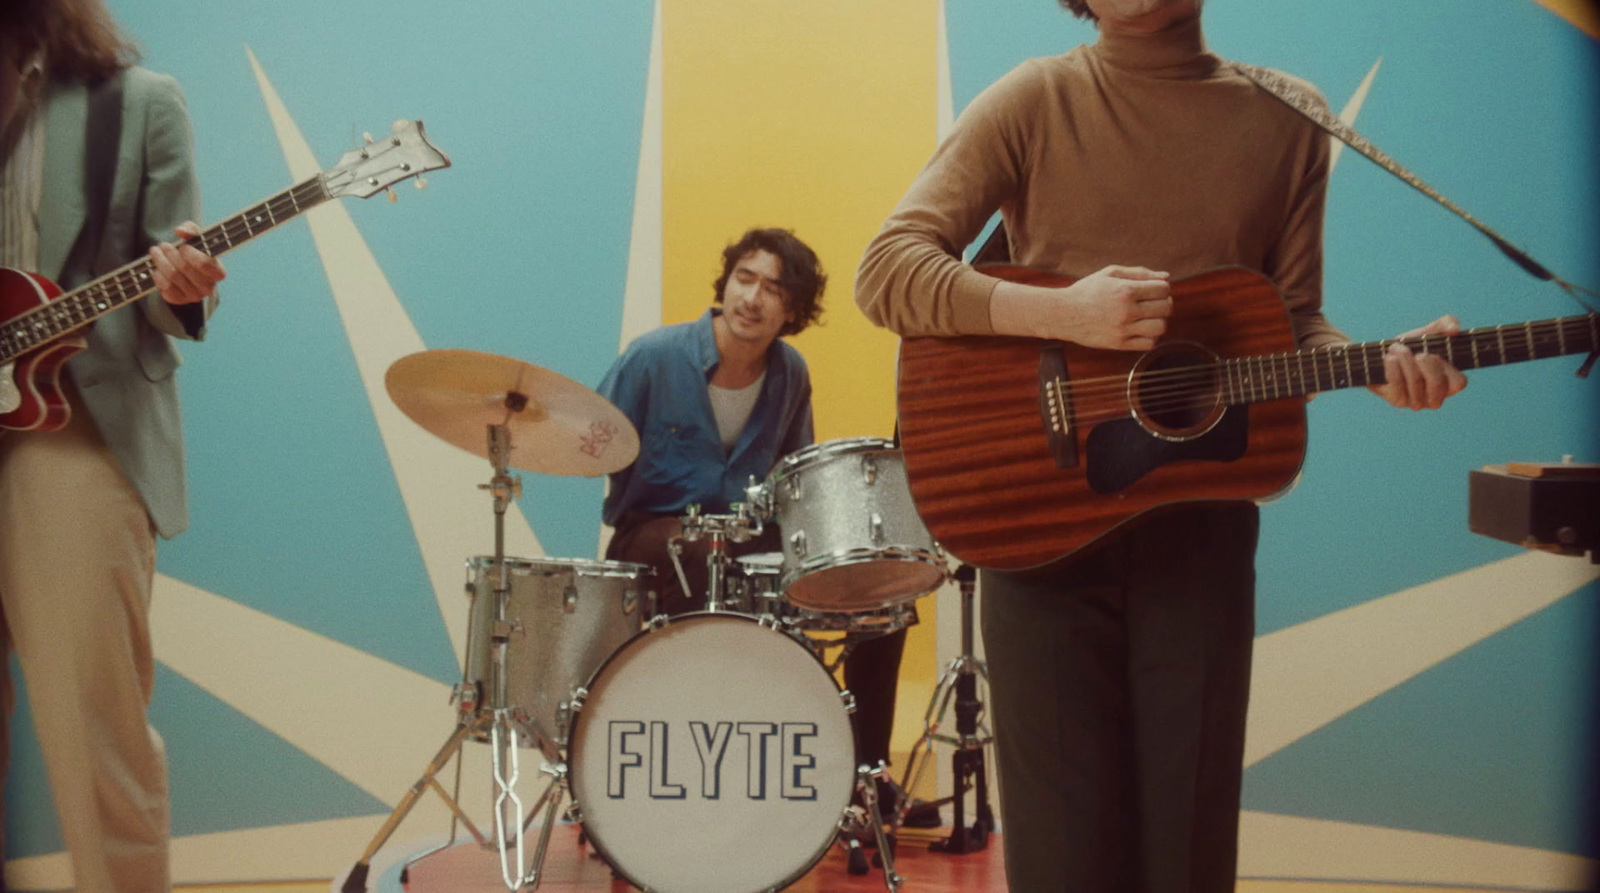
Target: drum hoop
[(847, 557), (583, 567), (806, 456), (572, 728)]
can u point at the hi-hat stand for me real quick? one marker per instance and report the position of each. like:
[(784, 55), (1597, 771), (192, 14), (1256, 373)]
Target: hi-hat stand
[(504, 725), (959, 680)]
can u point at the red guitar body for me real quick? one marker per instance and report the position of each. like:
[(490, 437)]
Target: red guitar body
[(35, 375)]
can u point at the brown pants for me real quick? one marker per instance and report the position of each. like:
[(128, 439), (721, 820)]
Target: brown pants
[(77, 559)]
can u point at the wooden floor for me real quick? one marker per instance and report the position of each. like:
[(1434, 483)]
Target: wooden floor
[(569, 869)]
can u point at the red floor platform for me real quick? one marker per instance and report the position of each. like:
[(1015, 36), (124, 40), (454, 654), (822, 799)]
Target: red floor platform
[(569, 868)]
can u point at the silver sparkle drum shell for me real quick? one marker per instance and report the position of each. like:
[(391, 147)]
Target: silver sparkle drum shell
[(852, 539), (564, 618), (674, 779)]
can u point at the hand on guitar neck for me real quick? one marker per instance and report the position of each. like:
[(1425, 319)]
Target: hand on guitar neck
[(1420, 381), (183, 273)]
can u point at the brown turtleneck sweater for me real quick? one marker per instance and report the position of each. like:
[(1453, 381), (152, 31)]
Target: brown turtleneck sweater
[(1146, 150)]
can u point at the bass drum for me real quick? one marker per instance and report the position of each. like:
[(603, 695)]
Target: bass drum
[(712, 754)]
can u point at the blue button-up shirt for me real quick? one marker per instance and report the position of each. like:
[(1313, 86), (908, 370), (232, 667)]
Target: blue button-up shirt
[(660, 382)]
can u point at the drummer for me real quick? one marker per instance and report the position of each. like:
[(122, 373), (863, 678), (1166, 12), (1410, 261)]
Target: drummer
[(719, 400)]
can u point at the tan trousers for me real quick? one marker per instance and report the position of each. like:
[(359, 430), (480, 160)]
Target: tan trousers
[(77, 559)]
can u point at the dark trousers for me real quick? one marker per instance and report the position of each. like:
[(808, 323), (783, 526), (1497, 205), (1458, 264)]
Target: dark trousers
[(1119, 684), (871, 672)]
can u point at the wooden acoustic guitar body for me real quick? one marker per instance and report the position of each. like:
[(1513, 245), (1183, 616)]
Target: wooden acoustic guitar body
[(1008, 478)]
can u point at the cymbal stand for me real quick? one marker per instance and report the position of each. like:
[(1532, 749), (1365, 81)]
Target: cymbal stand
[(959, 680), (499, 721)]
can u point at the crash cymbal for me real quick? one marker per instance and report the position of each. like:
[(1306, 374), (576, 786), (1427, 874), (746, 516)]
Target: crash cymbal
[(557, 426)]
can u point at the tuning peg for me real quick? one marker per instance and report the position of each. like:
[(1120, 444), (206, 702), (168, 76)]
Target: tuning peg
[(401, 124), (392, 197), (422, 183), (367, 137)]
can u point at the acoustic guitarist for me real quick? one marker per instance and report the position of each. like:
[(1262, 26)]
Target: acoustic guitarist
[(1120, 675), (95, 169)]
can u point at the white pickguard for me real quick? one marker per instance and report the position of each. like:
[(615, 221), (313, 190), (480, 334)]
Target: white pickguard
[(10, 397)]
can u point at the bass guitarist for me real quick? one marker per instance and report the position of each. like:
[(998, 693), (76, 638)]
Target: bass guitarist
[(1120, 674), (95, 169)]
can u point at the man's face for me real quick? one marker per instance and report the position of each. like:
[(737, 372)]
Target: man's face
[(754, 306), (1142, 15)]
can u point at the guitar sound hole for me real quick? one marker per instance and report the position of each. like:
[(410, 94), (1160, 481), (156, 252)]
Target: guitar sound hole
[(1177, 391)]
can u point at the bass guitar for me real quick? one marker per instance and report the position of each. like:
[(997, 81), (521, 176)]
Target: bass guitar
[(41, 328), (1020, 451)]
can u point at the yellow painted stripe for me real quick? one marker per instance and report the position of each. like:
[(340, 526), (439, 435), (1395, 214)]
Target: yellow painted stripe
[(812, 116), (815, 117)]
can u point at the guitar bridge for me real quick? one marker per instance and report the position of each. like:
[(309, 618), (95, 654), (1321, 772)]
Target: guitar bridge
[(1055, 407)]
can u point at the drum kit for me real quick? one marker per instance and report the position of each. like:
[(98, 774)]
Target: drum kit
[(710, 751)]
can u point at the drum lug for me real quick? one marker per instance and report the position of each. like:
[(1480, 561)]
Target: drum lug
[(869, 469), (630, 601), (848, 699), (659, 621), (465, 694), (791, 484), (770, 621), (797, 542), (574, 814), (569, 596), (502, 629), (876, 526), (573, 704)]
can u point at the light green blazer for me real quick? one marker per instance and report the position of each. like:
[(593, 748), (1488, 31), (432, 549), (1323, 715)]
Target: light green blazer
[(126, 376)]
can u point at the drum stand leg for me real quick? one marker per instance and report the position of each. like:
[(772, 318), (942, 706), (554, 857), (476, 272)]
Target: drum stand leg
[(867, 786), (972, 738), (356, 881), (551, 800)]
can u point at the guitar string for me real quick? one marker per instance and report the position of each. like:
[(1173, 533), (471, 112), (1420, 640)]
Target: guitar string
[(1199, 385), (1291, 367), (134, 280)]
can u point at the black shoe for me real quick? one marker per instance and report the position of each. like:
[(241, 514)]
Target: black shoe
[(922, 814)]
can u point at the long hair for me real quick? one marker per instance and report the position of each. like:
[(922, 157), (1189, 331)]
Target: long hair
[(80, 40), (802, 277), (1079, 8)]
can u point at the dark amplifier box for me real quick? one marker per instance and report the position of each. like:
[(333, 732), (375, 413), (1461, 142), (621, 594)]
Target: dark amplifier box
[(1553, 507)]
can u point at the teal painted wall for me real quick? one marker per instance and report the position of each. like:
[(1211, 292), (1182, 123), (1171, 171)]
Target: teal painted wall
[(522, 249)]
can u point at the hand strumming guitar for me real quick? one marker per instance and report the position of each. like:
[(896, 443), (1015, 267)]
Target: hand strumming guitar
[(1115, 308)]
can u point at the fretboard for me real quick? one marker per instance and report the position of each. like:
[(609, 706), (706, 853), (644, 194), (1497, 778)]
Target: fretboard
[(82, 306), (1273, 376)]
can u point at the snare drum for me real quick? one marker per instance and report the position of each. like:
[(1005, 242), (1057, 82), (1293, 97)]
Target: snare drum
[(712, 754), (852, 540), (563, 616)]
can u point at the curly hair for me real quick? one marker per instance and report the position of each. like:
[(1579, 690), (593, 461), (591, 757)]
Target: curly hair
[(79, 38), (802, 277), (1079, 8)]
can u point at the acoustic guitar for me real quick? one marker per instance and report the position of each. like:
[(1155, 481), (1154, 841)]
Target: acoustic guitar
[(41, 328), (1020, 451)]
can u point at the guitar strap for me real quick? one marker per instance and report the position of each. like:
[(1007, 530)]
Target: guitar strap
[(102, 136), (1302, 101)]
